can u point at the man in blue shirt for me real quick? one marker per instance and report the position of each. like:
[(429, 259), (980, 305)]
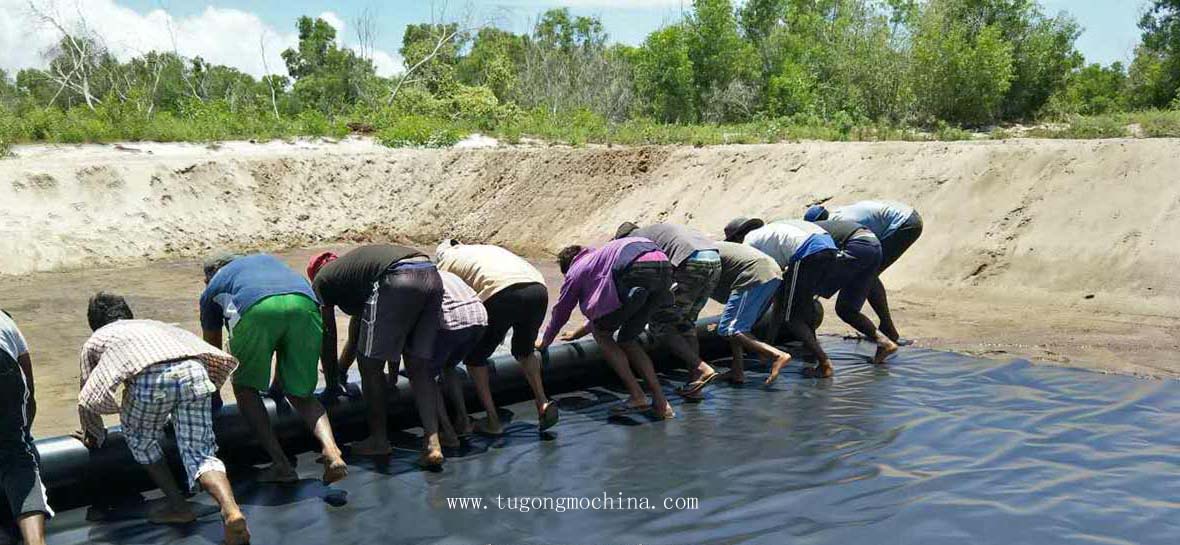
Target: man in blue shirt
[(896, 225), (268, 308)]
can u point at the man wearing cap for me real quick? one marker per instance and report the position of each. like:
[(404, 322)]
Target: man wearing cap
[(515, 296), (697, 269), (269, 309), (896, 225), (394, 297), (853, 276), (20, 465), (749, 280), (168, 375), (618, 287), (805, 253)]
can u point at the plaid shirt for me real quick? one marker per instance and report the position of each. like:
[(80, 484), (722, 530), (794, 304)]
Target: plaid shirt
[(120, 351), (461, 305)]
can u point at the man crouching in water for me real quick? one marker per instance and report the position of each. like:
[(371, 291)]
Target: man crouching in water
[(168, 374)]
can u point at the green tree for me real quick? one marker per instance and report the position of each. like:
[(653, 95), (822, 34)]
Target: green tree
[(961, 73), (1154, 78), (327, 78), (664, 75), (432, 51), (1093, 89), (724, 64), (494, 61)]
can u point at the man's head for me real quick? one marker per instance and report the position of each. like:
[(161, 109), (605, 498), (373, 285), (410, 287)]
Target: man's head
[(736, 230), (625, 229), (106, 308), (566, 256), (216, 262), (317, 262), (816, 212)]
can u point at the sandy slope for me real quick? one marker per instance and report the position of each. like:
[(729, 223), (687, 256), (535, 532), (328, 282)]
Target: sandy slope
[(1060, 250)]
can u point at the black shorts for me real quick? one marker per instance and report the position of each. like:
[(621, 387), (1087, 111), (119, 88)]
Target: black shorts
[(856, 275), (452, 346), (20, 474), (896, 244), (802, 282), (403, 314), (644, 288), (521, 308)]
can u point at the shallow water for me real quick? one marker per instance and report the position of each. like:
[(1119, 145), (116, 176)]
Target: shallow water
[(934, 448)]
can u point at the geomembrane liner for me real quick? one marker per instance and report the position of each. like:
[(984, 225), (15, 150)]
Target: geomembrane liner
[(934, 448)]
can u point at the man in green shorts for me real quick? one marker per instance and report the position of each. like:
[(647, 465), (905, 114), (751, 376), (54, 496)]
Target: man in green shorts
[(269, 309)]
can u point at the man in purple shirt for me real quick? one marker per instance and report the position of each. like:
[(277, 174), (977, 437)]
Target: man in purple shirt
[(618, 287)]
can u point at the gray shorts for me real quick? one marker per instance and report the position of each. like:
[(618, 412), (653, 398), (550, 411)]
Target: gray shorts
[(403, 314)]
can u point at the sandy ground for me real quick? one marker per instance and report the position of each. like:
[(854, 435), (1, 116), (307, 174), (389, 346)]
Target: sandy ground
[(1059, 251)]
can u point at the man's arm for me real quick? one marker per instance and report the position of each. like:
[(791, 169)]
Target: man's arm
[(93, 432), (348, 353), (213, 337), (578, 333), (329, 363), (561, 311), (26, 367)]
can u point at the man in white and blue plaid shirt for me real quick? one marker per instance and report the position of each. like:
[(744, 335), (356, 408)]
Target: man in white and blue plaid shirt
[(168, 375)]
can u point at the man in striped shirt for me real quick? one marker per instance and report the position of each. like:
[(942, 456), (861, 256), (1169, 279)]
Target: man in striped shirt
[(20, 471), (464, 321), (168, 374)]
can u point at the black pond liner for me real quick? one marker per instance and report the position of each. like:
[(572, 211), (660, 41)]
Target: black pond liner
[(933, 448)]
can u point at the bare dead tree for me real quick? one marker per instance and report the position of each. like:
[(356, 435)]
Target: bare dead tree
[(270, 83), (184, 72), (447, 34), (366, 32), (77, 48)]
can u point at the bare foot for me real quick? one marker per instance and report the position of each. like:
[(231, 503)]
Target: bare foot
[(334, 470), (776, 367), (278, 474), (172, 514), (666, 414), (236, 531), (371, 447), (431, 458), (885, 348), (487, 427)]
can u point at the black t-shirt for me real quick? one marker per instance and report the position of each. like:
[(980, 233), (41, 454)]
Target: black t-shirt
[(347, 282), (840, 230)]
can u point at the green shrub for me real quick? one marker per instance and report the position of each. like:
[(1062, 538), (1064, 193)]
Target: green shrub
[(420, 131)]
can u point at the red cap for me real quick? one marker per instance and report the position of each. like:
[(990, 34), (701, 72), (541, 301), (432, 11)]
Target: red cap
[(317, 262)]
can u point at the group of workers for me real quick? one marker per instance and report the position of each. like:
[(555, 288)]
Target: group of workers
[(434, 315)]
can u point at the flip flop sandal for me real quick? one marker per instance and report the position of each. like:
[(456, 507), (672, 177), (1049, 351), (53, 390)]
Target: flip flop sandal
[(699, 384), (625, 408), (549, 416)]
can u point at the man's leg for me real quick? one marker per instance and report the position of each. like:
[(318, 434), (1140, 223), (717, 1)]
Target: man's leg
[(643, 364), (453, 386), (32, 528), (737, 365), (427, 399), (879, 301), (373, 386), (216, 483), (193, 423), (616, 357), (778, 358), (316, 418), (176, 509), (143, 418), (546, 409), (862, 323), (254, 412)]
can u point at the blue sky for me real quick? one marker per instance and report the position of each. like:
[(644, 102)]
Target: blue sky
[(1110, 25), (251, 34)]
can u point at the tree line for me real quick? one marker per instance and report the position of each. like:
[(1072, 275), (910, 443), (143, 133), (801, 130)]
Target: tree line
[(902, 63)]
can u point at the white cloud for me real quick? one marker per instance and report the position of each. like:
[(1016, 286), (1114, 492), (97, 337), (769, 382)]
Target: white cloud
[(222, 36)]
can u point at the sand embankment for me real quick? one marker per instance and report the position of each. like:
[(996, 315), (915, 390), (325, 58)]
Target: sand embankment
[(1055, 220), (1060, 250)]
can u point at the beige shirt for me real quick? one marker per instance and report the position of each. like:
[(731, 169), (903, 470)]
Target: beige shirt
[(487, 269)]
